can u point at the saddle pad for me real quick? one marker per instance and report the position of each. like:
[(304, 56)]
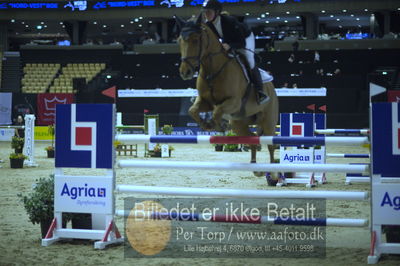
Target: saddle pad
[(264, 74)]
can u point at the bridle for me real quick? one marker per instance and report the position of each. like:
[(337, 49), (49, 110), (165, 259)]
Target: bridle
[(199, 59), (196, 58)]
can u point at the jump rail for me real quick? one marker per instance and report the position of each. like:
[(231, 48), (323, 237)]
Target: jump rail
[(195, 217), (228, 166), (347, 155), (130, 127), (268, 140), (342, 131), (17, 127), (243, 193)]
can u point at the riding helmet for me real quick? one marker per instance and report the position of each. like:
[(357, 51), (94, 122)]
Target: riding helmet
[(212, 4)]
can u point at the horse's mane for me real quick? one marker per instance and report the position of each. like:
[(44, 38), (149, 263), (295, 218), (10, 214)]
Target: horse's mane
[(212, 35)]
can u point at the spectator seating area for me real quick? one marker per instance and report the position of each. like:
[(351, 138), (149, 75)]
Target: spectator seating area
[(63, 83), (334, 69), (150, 71), (55, 78), (38, 77)]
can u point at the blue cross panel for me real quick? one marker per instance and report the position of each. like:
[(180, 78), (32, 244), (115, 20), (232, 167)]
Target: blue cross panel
[(297, 125), (320, 122), (85, 136), (386, 139)]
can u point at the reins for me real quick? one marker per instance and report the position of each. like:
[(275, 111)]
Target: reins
[(201, 60)]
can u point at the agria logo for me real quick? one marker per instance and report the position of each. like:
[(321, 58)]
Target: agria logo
[(83, 191), (84, 135), (393, 202)]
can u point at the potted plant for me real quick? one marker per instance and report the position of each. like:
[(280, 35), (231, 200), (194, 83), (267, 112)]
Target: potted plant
[(231, 147), (39, 204), (156, 152), (170, 149), (167, 129), (219, 147), (50, 149), (17, 144), (17, 160)]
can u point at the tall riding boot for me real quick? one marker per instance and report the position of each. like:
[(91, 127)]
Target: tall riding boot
[(261, 96)]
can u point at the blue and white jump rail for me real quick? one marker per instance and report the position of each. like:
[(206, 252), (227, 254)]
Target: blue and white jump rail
[(263, 140), (353, 177), (342, 131), (85, 137), (348, 155)]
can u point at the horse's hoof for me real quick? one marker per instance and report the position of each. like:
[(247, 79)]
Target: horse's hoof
[(270, 180), (224, 125), (259, 174), (207, 126)]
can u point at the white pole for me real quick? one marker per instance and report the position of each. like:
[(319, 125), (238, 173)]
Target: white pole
[(343, 222), (346, 222), (133, 138), (342, 131), (228, 166), (244, 193), (350, 141)]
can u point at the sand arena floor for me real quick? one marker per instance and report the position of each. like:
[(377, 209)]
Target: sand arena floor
[(21, 240)]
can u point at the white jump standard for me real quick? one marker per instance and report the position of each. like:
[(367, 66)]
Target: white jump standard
[(29, 139)]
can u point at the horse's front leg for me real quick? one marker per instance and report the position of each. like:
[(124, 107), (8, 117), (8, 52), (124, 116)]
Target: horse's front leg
[(229, 106), (200, 105)]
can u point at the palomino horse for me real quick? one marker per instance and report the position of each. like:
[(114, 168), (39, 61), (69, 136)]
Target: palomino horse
[(222, 86)]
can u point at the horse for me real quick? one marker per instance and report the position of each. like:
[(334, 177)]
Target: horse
[(223, 87)]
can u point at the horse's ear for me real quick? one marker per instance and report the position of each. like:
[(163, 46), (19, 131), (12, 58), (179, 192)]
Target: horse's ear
[(199, 19), (179, 23)]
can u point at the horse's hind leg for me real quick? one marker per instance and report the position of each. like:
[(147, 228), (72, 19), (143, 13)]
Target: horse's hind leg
[(268, 125), (242, 129)]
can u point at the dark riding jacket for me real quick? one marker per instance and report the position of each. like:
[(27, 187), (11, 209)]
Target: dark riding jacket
[(235, 32)]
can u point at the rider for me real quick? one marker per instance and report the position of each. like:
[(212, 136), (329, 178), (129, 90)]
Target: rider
[(237, 36)]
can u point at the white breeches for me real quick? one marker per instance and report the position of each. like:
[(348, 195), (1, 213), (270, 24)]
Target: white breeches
[(249, 51)]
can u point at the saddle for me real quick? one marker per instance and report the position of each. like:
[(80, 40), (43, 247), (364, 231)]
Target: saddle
[(242, 61)]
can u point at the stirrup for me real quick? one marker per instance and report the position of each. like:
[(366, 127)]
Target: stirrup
[(262, 98)]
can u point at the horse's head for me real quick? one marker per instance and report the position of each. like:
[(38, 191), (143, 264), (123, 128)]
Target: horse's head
[(190, 43)]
